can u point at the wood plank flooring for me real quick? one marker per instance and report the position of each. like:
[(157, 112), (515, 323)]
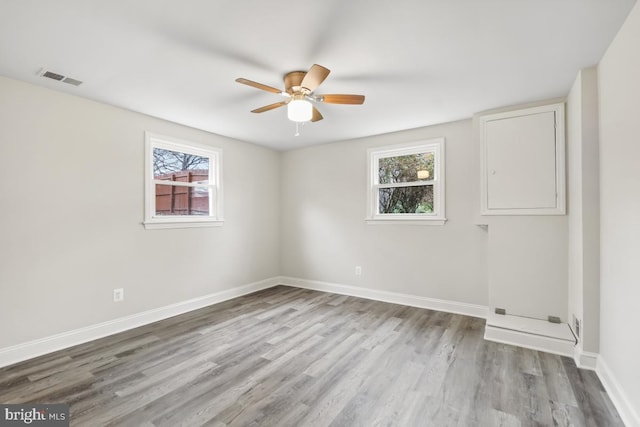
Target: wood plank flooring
[(294, 357)]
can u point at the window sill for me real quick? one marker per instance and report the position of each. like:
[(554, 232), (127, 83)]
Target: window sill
[(153, 225), (408, 221)]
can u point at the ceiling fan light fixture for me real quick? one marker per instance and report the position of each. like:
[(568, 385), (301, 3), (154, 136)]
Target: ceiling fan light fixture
[(299, 110), (299, 88), (423, 174)]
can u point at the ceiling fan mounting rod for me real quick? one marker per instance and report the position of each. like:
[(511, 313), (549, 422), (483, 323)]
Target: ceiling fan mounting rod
[(297, 96)]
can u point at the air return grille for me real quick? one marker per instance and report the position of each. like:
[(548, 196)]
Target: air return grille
[(59, 77), (53, 76), (72, 81)]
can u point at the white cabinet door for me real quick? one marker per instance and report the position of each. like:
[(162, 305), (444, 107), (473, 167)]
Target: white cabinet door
[(523, 162)]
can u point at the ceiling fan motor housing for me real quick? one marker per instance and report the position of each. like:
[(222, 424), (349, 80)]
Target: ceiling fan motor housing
[(292, 81)]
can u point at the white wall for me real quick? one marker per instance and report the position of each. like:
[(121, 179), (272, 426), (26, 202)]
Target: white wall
[(72, 197), (584, 207), (619, 95), (574, 199), (324, 234)]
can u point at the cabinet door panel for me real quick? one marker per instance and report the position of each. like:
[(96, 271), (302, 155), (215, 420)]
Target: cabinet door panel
[(521, 162)]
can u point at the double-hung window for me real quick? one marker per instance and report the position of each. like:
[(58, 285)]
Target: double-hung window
[(406, 183), (182, 183)]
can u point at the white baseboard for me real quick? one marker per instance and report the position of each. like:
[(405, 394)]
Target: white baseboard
[(28, 350), (585, 359), (392, 297), (615, 391), (528, 340), (35, 348)]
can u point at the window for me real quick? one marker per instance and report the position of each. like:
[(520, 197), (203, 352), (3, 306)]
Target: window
[(182, 183), (406, 183)]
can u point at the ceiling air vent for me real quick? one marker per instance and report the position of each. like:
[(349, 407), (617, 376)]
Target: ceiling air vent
[(59, 77), (72, 81), (53, 76)]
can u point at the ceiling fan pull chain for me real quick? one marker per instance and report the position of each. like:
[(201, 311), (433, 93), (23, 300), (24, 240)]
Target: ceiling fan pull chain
[(297, 129)]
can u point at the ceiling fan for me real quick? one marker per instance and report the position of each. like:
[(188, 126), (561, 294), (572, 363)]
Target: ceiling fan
[(299, 91)]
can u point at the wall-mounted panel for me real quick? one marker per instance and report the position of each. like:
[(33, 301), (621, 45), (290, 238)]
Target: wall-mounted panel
[(523, 170)]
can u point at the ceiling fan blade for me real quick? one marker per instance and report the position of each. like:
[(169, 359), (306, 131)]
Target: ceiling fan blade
[(269, 107), (258, 85), (315, 76), (316, 115), (342, 99)]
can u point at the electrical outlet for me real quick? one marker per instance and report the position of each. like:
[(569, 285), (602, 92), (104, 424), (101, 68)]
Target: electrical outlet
[(118, 295), (358, 270)]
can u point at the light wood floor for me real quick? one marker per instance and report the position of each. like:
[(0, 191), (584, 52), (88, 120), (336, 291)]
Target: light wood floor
[(293, 357)]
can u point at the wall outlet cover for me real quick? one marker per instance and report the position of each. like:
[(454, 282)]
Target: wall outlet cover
[(118, 295)]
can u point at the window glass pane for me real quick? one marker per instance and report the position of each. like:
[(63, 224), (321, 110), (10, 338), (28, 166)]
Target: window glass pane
[(401, 200), (168, 162), (175, 200), (197, 177), (413, 167)]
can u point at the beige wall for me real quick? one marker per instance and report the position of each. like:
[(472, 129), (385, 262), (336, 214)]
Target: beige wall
[(619, 92), (324, 234), (72, 197)]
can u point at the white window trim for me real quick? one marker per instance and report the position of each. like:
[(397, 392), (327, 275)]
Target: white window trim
[(435, 145), (151, 221)]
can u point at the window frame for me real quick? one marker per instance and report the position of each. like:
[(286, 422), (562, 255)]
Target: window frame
[(215, 217), (435, 146)]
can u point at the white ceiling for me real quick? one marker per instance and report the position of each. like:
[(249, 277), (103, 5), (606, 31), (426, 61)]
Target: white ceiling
[(418, 62)]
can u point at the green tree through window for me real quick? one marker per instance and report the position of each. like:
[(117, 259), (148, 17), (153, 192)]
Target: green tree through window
[(413, 168)]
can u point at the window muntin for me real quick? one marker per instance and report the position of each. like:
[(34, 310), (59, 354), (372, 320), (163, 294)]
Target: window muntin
[(183, 183), (407, 182)]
